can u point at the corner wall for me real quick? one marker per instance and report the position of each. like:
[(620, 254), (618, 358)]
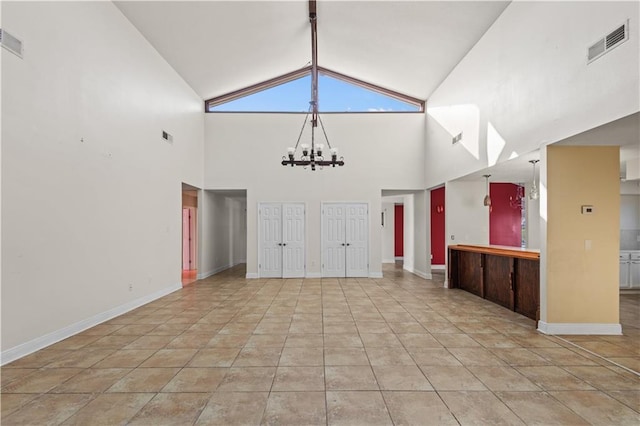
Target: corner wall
[(582, 287), (91, 193)]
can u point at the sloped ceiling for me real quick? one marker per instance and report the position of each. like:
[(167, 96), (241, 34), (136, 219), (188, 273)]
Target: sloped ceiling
[(222, 46)]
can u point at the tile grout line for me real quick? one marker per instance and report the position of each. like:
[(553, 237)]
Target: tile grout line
[(599, 356)]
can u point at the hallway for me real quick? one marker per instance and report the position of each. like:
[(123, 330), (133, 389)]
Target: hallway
[(397, 350)]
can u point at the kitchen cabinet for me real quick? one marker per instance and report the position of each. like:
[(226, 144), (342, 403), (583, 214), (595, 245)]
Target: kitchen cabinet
[(630, 269)]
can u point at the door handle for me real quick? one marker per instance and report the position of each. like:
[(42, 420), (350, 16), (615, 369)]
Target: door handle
[(284, 244), (348, 244), (280, 244), (343, 244)]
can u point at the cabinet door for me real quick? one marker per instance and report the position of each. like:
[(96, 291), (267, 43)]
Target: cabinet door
[(527, 288), (470, 272), (497, 280), (624, 273), (634, 272)]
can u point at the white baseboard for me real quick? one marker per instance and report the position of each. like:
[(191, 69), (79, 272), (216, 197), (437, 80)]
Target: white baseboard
[(252, 276), (375, 274), (38, 343), (437, 267), (313, 275), (579, 328), (388, 261), (422, 274), (399, 257)]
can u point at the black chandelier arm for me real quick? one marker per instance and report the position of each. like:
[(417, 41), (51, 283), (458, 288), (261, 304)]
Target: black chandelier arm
[(306, 118), (324, 132)]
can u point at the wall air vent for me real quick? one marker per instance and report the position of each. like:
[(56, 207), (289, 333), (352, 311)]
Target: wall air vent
[(10, 43), (167, 137), (608, 42)]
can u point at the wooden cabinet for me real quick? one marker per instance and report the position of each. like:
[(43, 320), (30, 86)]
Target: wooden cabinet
[(508, 277)]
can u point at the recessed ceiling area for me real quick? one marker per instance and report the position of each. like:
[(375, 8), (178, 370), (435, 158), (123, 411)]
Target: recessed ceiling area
[(222, 46)]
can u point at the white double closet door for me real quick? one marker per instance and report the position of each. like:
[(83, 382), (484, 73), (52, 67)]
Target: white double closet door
[(345, 240), (281, 250)]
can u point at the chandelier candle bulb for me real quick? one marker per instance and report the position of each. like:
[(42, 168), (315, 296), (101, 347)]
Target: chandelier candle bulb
[(319, 148), (291, 150)]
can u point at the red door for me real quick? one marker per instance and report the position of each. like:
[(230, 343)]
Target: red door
[(437, 226), (399, 230)]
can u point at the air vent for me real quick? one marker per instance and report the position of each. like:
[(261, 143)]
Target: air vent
[(167, 137), (610, 41), (10, 43)]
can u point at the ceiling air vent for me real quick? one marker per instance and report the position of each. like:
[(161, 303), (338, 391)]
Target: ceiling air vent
[(10, 43), (611, 40)]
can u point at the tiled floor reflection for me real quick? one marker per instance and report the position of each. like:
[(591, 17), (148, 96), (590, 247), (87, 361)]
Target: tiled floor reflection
[(398, 350)]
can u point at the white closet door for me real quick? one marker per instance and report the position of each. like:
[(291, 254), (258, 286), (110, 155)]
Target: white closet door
[(357, 240), (270, 240), (333, 240), (293, 240)]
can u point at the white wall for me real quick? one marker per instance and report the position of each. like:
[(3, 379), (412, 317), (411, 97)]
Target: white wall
[(466, 217), (422, 241), (408, 233), (91, 194), (388, 233), (532, 212), (243, 151), (526, 83)]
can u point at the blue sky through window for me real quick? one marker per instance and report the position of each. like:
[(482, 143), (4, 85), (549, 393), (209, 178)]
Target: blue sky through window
[(334, 95)]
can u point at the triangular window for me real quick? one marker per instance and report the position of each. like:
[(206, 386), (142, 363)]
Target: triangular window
[(335, 94)]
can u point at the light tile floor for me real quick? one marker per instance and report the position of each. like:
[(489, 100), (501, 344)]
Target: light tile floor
[(398, 350)]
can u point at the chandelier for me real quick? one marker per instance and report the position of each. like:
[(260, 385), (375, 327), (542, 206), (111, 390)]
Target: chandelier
[(313, 155)]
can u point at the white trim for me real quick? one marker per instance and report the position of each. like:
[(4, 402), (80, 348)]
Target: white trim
[(252, 276), (41, 342), (422, 274), (579, 328), (388, 261), (438, 267), (218, 270), (313, 275), (375, 274)]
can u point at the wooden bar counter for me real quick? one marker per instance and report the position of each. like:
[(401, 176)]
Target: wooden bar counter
[(508, 276)]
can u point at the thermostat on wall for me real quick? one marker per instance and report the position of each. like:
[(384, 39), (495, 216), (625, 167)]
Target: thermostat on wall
[(587, 209)]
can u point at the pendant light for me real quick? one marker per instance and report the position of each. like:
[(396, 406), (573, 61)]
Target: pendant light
[(534, 194), (487, 198)]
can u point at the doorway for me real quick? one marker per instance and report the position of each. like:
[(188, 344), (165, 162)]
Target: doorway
[(189, 234), (345, 240), (281, 251)]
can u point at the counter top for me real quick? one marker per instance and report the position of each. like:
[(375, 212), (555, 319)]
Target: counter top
[(499, 250)]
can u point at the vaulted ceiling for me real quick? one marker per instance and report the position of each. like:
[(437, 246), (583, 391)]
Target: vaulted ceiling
[(222, 46)]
